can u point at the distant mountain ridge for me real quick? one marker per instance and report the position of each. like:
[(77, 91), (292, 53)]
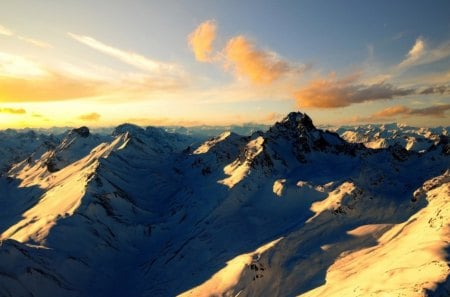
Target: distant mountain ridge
[(385, 135)]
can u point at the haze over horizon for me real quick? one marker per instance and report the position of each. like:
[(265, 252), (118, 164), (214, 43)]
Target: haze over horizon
[(103, 63)]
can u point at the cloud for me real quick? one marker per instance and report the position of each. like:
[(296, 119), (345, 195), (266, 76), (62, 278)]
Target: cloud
[(12, 110), (52, 87), (440, 89), (241, 56), (128, 57), (414, 53), (272, 117), (391, 111), (35, 42), (421, 54), (93, 116), (23, 80), (201, 40), (437, 54), (387, 114), (17, 66), (333, 93), (5, 31), (435, 111), (259, 66)]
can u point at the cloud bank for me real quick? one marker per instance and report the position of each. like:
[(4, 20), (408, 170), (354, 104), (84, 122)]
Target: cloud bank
[(332, 93)]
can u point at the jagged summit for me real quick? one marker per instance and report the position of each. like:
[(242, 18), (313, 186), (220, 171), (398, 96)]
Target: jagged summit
[(294, 124), (82, 131), (298, 120), (127, 127)]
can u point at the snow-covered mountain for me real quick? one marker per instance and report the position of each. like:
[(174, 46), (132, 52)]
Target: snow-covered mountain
[(17, 145), (293, 211), (385, 135)]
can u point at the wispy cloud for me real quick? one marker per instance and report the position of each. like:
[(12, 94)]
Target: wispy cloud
[(201, 41), (435, 111), (5, 31), (271, 117), (35, 42), (402, 111), (391, 111), (23, 80), (17, 66), (93, 116), (421, 54), (12, 110), (128, 57), (415, 53), (332, 93), (39, 43)]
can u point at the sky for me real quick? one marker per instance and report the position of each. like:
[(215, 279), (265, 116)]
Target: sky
[(102, 63)]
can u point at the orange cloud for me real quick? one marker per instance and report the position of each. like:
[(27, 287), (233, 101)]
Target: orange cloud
[(23, 80), (50, 87), (259, 66), (271, 117), (391, 111), (12, 110), (436, 111), (201, 41), (93, 116), (333, 93)]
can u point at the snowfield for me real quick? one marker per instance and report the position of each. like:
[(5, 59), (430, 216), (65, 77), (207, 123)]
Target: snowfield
[(292, 211)]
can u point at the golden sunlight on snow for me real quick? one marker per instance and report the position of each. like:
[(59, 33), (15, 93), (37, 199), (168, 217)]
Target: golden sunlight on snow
[(207, 145), (239, 169), (407, 260), (222, 283), (278, 187), (66, 188), (333, 200)]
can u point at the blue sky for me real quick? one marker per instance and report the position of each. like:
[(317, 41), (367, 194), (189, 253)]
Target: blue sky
[(106, 62)]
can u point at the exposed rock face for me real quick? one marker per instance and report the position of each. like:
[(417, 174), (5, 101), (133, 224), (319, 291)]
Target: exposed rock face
[(82, 131)]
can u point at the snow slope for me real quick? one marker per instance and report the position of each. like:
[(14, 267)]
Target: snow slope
[(293, 211), (16, 146)]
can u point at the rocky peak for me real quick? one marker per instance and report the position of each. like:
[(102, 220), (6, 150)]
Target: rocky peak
[(295, 124), (82, 131), (132, 129), (298, 120)]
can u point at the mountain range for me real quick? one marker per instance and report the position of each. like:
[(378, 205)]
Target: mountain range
[(290, 211)]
